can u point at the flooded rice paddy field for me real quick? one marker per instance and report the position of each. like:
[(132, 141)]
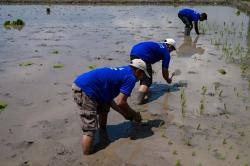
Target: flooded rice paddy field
[(202, 118)]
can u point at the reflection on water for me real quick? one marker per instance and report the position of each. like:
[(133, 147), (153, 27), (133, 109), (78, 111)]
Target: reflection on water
[(189, 48)]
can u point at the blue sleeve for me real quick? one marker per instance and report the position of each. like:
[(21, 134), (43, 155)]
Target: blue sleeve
[(166, 60), (128, 86)]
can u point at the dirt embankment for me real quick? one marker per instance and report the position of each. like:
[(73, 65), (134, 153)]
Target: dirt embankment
[(118, 1)]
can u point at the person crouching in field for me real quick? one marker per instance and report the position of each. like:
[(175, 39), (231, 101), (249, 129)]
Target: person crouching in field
[(188, 16), (94, 93)]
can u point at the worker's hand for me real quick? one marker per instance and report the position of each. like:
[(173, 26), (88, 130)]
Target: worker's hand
[(137, 118), (169, 80)]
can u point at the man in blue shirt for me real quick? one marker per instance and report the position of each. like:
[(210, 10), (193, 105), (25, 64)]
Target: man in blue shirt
[(188, 16), (94, 93), (151, 52)]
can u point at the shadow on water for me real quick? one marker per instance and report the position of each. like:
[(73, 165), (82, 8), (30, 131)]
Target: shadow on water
[(158, 90), (189, 48), (124, 130)]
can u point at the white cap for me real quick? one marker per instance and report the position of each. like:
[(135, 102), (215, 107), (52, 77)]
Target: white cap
[(170, 42), (139, 64)]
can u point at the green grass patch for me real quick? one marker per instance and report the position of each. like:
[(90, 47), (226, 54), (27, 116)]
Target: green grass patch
[(3, 105), (25, 64), (15, 24)]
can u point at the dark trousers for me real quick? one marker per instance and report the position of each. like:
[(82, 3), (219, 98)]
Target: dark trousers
[(188, 24)]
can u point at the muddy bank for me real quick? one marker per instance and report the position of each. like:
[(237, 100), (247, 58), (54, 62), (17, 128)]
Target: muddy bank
[(118, 1)]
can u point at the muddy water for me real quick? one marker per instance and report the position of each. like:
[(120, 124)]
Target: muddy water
[(208, 126)]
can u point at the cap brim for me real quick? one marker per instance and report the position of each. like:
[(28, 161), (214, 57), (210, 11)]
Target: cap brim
[(145, 71)]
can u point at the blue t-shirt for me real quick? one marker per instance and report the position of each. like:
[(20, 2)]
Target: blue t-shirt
[(104, 84), (151, 52), (190, 14)]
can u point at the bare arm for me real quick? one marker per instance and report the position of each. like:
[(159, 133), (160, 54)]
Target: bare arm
[(196, 28), (165, 74), (124, 109)]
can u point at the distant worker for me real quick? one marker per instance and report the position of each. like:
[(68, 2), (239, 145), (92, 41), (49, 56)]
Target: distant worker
[(151, 52), (94, 93), (188, 16)]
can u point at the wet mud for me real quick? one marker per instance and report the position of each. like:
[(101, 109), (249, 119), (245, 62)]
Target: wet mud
[(202, 118)]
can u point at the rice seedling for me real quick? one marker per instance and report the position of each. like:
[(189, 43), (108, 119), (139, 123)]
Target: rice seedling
[(241, 133), (209, 147), (178, 163), (161, 124), (204, 90), (237, 13), (175, 152), (7, 23), (237, 157), (220, 93), (3, 105), (91, 67), (224, 141), (222, 71), (225, 109), (25, 64), (198, 127), (183, 102), (188, 142), (55, 52), (202, 106), (249, 85), (170, 142), (58, 66), (193, 153), (219, 156), (231, 147)]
